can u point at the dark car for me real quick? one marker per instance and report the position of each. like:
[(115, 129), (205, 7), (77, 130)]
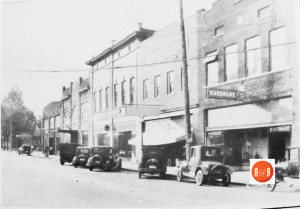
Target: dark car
[(81, 157), (25, 149), (153, 161), (102, 157), (205, 165), (67, 152)]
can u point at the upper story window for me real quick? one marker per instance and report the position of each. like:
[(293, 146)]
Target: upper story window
[(46, 123), (157, 86), (106, 97), (57, 121), (95, 102), (231, 62), (132, 90), (123, 92), (263, 12), (129, 48), (212, 68), (253, 56), (170, 82), (100, 99), (219, 30), (52, 122), (279, 49), (84, 111), (115, 95), (145, 89)]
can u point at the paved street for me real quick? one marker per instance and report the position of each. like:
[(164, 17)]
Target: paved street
[(29, 181)]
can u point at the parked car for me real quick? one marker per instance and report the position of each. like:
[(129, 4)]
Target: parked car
[(67, 152), (205, 165), (153, 161), (103, 157), (81, 157), (24, 149)]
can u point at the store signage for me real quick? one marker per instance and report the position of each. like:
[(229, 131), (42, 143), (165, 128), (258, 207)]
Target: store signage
[(223, 94), (280, 129)]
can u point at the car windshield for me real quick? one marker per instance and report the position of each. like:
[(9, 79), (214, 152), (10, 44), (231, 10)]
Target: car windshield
[(153, 152), (211, 153), (102, 150), (84, 151)]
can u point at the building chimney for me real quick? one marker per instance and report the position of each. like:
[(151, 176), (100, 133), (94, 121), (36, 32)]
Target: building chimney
[(139, 26)]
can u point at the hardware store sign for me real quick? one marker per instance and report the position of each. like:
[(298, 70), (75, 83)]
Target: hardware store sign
[(222, 94)]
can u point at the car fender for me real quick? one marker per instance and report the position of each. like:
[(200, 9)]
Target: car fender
[(204, 169), (74, 160)]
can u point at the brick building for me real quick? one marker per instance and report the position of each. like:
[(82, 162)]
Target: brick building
[(75, 112), (51, 122), (247, 75)]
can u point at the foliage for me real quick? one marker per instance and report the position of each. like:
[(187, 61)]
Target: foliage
[(23, 119)]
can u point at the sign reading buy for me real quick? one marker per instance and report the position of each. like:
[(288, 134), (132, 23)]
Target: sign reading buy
[(262, 171)]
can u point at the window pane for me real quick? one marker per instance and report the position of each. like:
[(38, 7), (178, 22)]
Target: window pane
[(231, 60), (212, 73), (100, 100), (157, 87), (115, 94), (123, 92), (145, 89), (279, 51), (132, 91), (170, 82), (106, 97), (253, 54)]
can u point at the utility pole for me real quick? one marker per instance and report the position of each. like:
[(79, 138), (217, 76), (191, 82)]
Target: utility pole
[(10, 131), (112, 94), (186, 86)]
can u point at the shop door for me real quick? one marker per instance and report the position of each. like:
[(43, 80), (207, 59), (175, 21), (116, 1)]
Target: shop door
[(277, 145)]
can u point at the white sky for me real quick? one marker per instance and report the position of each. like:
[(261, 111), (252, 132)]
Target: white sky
[(63, 34)]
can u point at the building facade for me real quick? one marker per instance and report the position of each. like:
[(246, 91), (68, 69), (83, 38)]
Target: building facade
[(247, 94), (51, 122), (75, 112)]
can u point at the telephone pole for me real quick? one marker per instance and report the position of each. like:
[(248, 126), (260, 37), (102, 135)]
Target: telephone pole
[(186, 86)]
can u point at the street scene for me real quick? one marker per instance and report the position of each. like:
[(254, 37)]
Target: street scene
[(139, 103)]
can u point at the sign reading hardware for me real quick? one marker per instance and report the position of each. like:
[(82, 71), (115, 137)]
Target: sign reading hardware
[(280, 129), (222, 94)]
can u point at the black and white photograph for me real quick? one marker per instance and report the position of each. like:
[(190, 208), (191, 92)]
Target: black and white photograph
[(150, 104)]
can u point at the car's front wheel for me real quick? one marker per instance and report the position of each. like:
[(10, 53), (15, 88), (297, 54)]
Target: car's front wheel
[(226, 179), (140, 174), (179, 175), (75, 165), (199, 177), (91, 168), (62, 162)]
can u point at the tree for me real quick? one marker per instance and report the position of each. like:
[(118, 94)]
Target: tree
[(22, 119)]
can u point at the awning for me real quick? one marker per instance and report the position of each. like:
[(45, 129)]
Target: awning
[(163, 131)]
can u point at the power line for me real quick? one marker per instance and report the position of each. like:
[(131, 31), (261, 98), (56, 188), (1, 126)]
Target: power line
[(154, 63)]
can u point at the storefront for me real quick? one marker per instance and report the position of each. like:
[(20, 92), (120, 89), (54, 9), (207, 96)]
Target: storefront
[(261, 130)]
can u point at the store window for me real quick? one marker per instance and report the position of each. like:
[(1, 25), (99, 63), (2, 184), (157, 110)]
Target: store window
[(231, 62), (253, 56), (170, 82), (157, 86), (279, 49), (145, 89)]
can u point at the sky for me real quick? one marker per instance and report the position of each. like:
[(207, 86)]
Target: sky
[(61, 35)]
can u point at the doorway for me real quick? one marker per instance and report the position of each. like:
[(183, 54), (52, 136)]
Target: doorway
[(277, 145)]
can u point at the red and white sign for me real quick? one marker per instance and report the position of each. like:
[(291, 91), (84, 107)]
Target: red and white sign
[(262, 171)]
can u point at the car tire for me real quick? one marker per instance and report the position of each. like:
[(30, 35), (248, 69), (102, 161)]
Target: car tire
[(91, 168), (62, 162), (226, 179), (140, 174), (162, 175), (199, 177), (75, 165), (179, 175), (119, 167)]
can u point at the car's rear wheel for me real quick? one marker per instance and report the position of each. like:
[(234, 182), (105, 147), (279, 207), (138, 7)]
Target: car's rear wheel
[(179, 175), (199, 177), (91, 168), (226, 179), (62, 162), (140, 174), (75, 165)]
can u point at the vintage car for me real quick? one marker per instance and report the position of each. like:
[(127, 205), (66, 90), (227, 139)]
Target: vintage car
[(205, 165), (153, 161), (81, 157), (103, 157), (24, 149), (67, 152)]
